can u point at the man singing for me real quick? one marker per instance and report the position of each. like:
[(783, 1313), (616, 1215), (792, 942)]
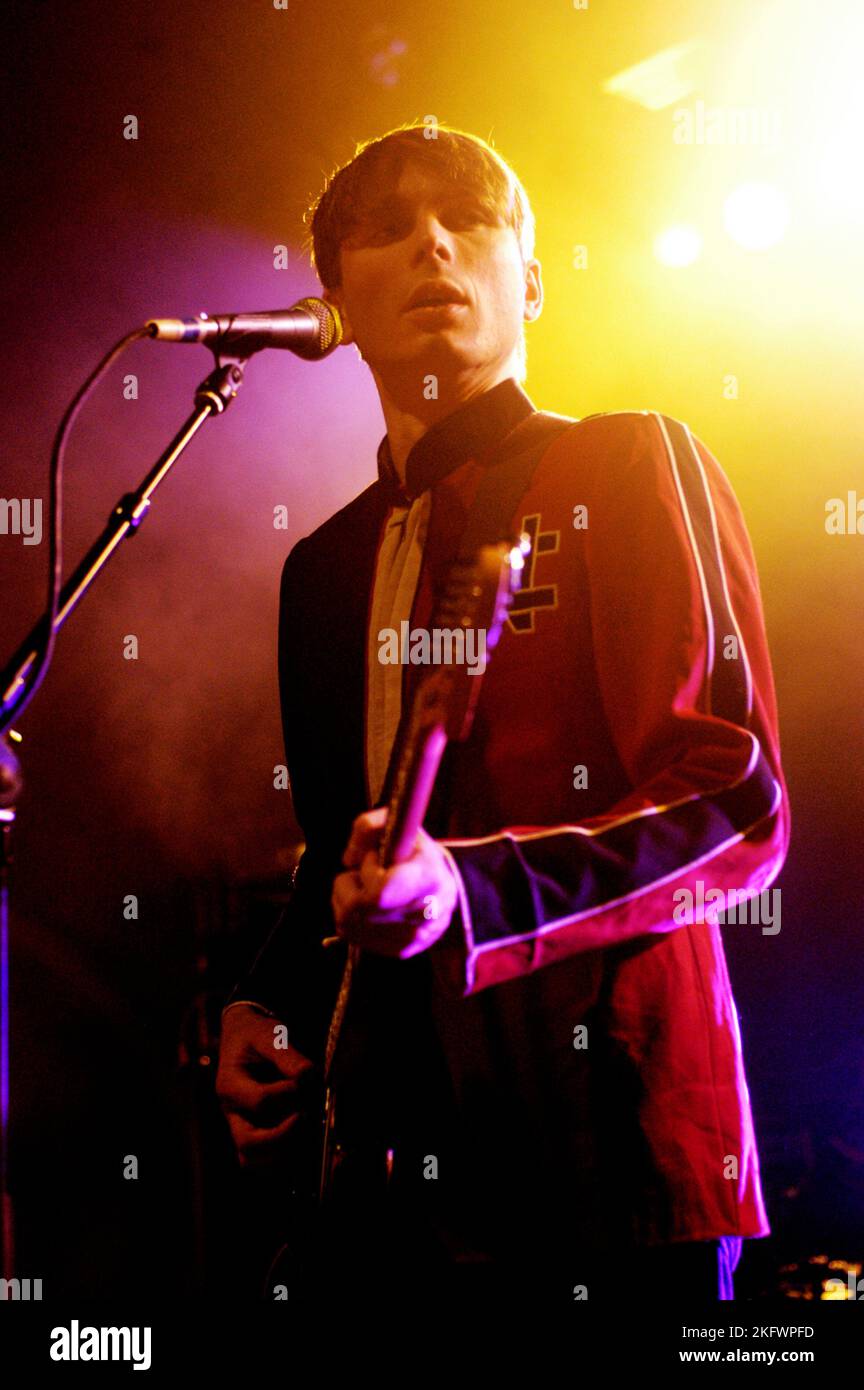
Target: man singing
[(571, 1106)]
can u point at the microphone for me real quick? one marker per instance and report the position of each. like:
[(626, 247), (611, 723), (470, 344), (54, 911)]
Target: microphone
[(311, 328)]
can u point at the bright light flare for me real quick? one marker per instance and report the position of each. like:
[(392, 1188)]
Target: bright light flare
[(756, 216), (657, 81), (839, 181), (678, 246)]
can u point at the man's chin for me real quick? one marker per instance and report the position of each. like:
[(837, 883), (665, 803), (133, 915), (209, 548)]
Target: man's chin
[(435, 352), (442, 365)]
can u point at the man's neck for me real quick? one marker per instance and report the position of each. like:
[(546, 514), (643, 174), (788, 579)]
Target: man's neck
[(407, 419)]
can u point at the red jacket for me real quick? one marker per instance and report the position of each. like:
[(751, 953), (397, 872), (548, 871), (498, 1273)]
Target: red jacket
[(636, 653)]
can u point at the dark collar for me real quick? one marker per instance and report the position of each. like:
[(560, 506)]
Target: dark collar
[(478, 425)]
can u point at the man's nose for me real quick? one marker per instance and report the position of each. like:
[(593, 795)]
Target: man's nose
[(432, 237)]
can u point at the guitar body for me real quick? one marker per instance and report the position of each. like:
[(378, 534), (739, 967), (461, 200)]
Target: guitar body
[(338, 1210)]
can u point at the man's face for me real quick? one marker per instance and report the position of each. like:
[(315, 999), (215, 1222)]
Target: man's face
[(427, 231)]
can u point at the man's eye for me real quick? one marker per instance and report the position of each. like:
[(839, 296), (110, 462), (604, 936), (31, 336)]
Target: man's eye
[(466, 214), (392, 226), (389, 227)]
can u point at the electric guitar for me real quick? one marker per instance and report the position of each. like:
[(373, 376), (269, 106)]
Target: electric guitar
[(476, 598)]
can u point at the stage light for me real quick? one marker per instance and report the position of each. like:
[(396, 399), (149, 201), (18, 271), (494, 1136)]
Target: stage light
[(840, 184), (678, 246), (657, 81), (756, 216), (808, 61)]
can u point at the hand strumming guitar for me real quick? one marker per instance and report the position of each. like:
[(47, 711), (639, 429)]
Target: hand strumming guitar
[(261, 1086)]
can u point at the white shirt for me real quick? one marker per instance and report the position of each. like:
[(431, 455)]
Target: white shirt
[(397, 571)]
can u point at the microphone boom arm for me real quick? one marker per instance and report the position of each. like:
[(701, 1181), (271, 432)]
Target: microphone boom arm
[(212, 397)]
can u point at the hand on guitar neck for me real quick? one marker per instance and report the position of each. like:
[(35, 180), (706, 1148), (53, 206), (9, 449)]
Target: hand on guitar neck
[(396, 911)]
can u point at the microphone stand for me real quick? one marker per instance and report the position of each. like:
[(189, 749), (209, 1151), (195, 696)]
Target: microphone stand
[(7, 819), (212, 397)]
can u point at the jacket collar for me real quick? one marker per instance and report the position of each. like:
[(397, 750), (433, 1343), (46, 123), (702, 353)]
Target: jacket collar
[(470, 430)]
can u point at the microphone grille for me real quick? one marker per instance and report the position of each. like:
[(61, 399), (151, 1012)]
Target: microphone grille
[(329, 324)]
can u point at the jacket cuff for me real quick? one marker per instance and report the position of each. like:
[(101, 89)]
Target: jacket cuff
[(453, 956), (249, 1004)]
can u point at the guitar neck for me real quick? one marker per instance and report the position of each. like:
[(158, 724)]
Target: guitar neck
[(412, 790), (476, 596)]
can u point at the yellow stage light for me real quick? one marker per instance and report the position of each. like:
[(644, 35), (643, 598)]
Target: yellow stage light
[(840, 185), (756, 216), (678, 246)]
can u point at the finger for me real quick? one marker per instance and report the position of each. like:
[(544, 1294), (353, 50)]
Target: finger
[(355, 909), (386, 938), (345, 897), (257, 1146), (365, 835), (399, 888), (261, 1103), (371, 877), (261, 1058), (395, 939), (356, 897)]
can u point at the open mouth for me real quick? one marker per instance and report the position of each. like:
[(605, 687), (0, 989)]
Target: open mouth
[(436, 294), (436, 306)]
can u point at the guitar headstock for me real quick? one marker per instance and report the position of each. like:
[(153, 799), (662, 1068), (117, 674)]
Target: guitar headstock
[(473, 607)]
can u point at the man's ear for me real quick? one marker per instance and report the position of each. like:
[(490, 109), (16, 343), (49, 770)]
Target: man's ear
[(533, 292), (334, 297)]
